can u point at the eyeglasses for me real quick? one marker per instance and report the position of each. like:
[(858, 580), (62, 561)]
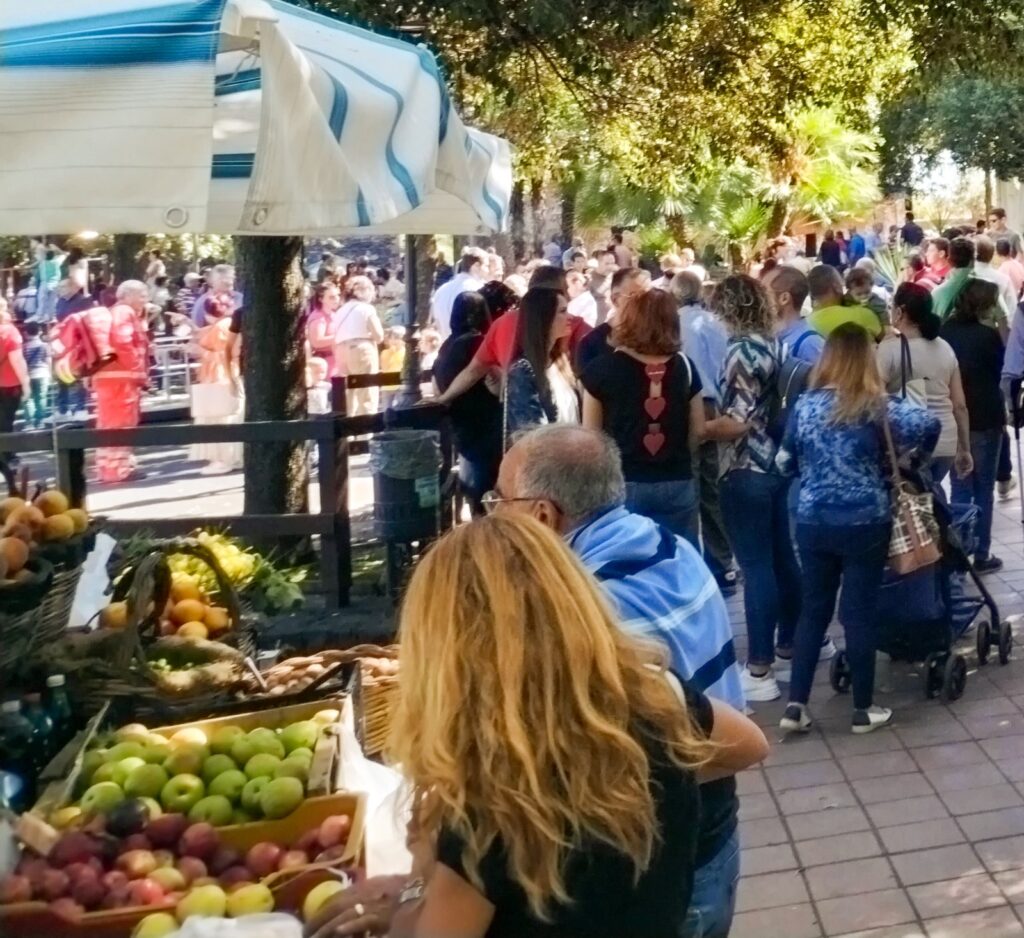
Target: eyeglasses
[(492, 499)]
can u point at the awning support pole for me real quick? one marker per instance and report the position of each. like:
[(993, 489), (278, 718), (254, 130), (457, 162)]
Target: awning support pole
[(410, 394)]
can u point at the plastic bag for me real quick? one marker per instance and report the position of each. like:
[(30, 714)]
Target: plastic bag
[(406, 454), (273, 925), (91, 592)]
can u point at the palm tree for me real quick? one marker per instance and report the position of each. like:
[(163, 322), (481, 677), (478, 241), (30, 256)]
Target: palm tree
[(827, 171)]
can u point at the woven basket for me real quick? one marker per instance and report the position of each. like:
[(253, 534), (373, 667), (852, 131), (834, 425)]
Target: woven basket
[(375, 698), (21, 607)]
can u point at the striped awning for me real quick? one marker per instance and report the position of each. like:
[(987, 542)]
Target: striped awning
[(231, 116)]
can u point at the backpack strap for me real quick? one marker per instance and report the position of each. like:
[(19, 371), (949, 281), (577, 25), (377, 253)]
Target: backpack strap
[(800, 341)]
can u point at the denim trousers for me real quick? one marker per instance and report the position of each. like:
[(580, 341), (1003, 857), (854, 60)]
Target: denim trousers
[(37, 407), (854, 556), (71, 397), (717, 552), (1005, 472), (979, 487), (714, 893), (672, 504), (756, 514)]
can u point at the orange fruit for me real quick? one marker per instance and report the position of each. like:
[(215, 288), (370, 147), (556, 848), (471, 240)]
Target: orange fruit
[(79, 518), (114, 616), (184, 586), (188, 610), (28, 515), (217, 619), (15, 552), (58, 528), (52, 503), (193, 630), (10, 504)]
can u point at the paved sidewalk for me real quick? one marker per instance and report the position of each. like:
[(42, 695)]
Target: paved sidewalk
[(911, 832)]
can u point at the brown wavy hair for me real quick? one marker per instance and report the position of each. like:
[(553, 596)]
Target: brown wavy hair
[(648, 323), (744, 305), (849, 365), (525, 712)]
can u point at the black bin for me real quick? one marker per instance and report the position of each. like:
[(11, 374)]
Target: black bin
[(406, 467)]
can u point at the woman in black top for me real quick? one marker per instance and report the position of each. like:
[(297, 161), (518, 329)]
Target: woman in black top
[(553, 761), (646, 396), (979, 352), (831, 252), (476, 415)]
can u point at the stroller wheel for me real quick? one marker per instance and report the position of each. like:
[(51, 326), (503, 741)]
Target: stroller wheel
[(839, 673), (933, 673), (954, 678), (1005, 642), (984, 639)]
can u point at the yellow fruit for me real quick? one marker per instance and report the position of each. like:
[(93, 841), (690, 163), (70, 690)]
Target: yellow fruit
[(8, 505), (189, 736), (115, 616), (157, 925), (16, 529), (52, 503), (79, 518), (188, 610), (65, 817), (15, 552), (216, 619), (58, 528), (28, 515), (318, 897), (184, 587), (193, 630)]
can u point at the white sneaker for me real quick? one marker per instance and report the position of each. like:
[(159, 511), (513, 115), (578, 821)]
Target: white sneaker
[(1005, 488), (796, 719), (760, 689), (828, 649), (874, 718), (783, 669)]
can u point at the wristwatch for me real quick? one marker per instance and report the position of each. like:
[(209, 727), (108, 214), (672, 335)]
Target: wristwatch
[(412, 892)]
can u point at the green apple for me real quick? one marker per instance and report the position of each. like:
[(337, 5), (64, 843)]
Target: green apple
[(187, 759), (281, 796), (145, 781), (222, 739), (157, 750), (302, 753), (155, 810), (121, 751), (91, 761), (157, 925), (229, 784), (252, 899), (251, 795), (300, 736), (217, 765), (100, 798), (214, 809), (267, 742), (125, 767), (105, 773), (243, 817), (293, 768), (242, 750), (262, 765), (132, 733), (181, 793), (209, 901)]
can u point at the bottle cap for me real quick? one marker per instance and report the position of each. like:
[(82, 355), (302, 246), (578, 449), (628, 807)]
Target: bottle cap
[(55, 680), (10, 706)]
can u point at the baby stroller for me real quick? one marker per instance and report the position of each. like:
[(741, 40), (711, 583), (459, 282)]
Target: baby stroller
[(923, 614)]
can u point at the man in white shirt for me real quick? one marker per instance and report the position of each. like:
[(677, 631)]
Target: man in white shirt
[(670, 265), (581, 301), (689, 260), (984, 251), (469, 277)]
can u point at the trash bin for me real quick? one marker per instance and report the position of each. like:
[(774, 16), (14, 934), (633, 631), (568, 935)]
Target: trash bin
[(406, 467)]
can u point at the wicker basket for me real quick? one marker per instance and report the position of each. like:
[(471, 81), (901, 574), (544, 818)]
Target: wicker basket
[(375, 697), (21, 607)]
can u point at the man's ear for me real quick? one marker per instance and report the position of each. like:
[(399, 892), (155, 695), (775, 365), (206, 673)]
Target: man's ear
[(546, 513)]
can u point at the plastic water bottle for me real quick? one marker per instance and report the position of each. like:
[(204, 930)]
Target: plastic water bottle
[(16, 748), (58, 707), (42, 731)]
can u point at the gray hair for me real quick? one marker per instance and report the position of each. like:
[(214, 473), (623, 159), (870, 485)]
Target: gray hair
[(685, 287), (132, 287), (580, 470), (222, 272), (866, 263)]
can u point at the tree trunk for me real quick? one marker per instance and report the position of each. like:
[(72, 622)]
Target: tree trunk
[(988, 193), (778, 219), (273, 350), (127, 253), (425, 264), (459, 244), (676, 224), (517, 211), (568, 212), (537, 234)]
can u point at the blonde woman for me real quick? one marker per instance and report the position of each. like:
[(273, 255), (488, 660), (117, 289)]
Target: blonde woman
[(357, 334), (554, 761)]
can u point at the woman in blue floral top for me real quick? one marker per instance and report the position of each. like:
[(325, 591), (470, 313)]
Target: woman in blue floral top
[(753, 492), (835, 441)]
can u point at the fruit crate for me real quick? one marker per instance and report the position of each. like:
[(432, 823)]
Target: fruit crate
[(38, 920)]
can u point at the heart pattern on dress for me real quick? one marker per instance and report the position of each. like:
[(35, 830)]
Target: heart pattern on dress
[(655, 407), (654, 439)]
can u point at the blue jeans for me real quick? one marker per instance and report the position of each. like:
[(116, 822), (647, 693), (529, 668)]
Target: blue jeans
[(714, 893), (671, 504), (71, 397), (979, 487), (854, 555), (1005, 463), (477, 475), (756, 514)]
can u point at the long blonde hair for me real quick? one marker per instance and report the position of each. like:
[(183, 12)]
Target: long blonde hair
[(524, 709), (849, 365)]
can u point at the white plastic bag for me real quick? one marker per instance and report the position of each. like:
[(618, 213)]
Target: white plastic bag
[(91, 592), (273, 925)]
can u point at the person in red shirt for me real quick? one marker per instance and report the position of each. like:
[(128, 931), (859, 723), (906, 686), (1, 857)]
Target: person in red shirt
[(498, 349), (14, 383), (936, 256)]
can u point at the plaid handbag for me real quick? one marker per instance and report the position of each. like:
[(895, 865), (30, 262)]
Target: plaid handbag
[(913, 544)]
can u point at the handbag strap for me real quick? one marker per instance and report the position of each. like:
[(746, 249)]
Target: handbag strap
[(894, 470), (906, 365)]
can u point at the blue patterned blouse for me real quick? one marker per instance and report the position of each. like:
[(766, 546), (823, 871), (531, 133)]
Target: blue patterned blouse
[(747, 391), (842, 469)]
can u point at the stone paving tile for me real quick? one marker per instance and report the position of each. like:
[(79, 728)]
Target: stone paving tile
[(894, 788), (1002, 855), (1012, 885), (948, 756), (768, 859), (877, 764), (936, 863), (794, 921), (993, 824), (770, 891), (867, 910), (757, 806), (992, 923), (906, 811), (827, 823), (818, 798), (850, 878), (965, 776), (1004, 747), (797, 749), (804, 775), (834, 849), (951, 896), (910, 930), (973, 801), (1013, 769), (762, 832), (921, 835)]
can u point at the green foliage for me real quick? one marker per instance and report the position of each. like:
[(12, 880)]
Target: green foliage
[(980, 121)]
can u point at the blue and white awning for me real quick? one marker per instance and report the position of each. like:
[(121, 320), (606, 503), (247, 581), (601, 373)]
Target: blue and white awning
[(231, 116)]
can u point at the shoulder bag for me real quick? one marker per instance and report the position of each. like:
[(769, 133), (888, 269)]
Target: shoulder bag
[(912, 545), (911, 389)]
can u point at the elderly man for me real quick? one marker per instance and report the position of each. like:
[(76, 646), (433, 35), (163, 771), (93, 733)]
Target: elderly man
[(571, 479), (220, 279), (472, 270), (119, 337)]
